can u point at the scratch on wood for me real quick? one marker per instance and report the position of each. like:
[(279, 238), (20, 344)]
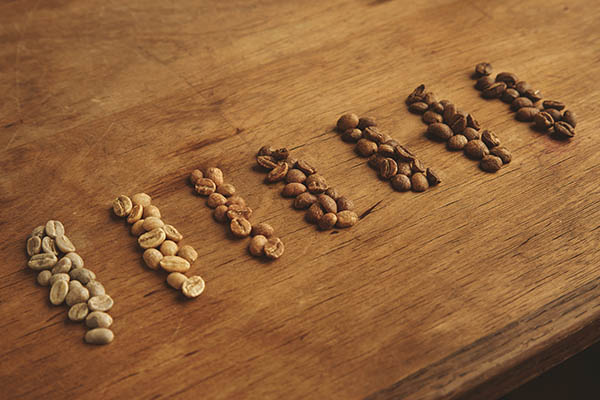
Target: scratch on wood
[(370, 210)]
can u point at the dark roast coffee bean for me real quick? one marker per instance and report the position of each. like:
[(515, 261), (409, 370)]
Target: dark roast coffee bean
[(533, 95), (522, 87), (520, 102), (457, 142), (430, 117), (508, 78), (484, 82), (386, 150), (449, 112), (471, 134), (373, 134), (429, 99), (418, 107), (490, 163), (458, 123), (387, 168), (494, 91), (554, 113), (433, 177), (510, 95), (417, 95), (440, 131), (472, 122), (436, 107), (563, 130), (557, 105), (490, 139), (402, 153), (502, 152), (543, 121), (526, 114), (570, 118), (476, 149)]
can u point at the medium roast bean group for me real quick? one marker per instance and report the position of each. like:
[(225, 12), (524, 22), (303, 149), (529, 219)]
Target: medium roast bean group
[(460, 131), (53, 255), (526, 102)]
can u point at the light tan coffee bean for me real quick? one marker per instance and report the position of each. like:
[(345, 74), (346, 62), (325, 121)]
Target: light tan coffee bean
[(43, 277), (154, 238), (54, 228), (215, 175), (78, 312), (99, 336), (314, 213), (329, 205), (169, 248), (122, 206), (176, 280), (293, 189), (188, 252), (274, 248), (82, 275), (327, 221), (215, 200), (263, 229), (193, 287), (77, 293), (64, 244), (42, 261), (136, 214), (220, 214), (76, 260), (152, 258), (226, 189), (95, 288), (240, 227), (138, 228), (39, 231), (100, 303), (236, 211), (61, 276), (49, 246), (152, 223), (174, 264), (172, 233), (141, 199), (333, 193), (98, 319), (256, 246), (58, 292), (237, 200), (151, 211), (34, 245), (347, 218), (205, 187), (195, 176), (63, 265)]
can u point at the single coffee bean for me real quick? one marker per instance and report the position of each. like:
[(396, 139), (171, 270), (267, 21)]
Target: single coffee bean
[(77, 293), (78, 312), (64, 244), (329, 205), (417, 165), (352, 135), (543, 121), (215, 200), (562, 130), (152, 211), (387, 169), (136, 214), (226, 189), (314, 213), (98, 319), (431, 117), (494, 91), (54, 228), (386, 150), (404, 168), (503, 153), (176, 280), (346, 219), (418, 107), (508, 78), (76, 260), (152, 258), (520, 102), (265, 151), (440, 131), (152, 223), (365, 122), (193, 287), (263, 229), (401, 183), (436, 107), (278, 173), (458, 123), (483, 69), (419, 182), (450, 111), (42, 261), (366, 148), (215, 175), (169, 248), (344, 203), (490, 163), (220, 214), (59, 277), (154, 238), (417, 95), (402, 153), (471, 134), (510, 95), (172, 233), (570, 118), (237, 211), (99, 336), (280, 154), (433, 177), (95, 288), (237, 200), (373, 134), (293, 189), (484, 82), (522, 87), (327, 221), (457, 142), (374, 161), (49, 246), (240, 227), (141, 199), (557, 105), (39, 231), (58, 292), (188, 252), (43, 277), (267, 162), (295, 176), (554, 113), (333, 193), (476, 149), (82, 275), (138, 228), (122, 206), (472, 122), (316, 183), (347, 121), (100, 303), (195, 176), (490, 139), (34, 245), (534, 95), (304, 200), (205, 187), (526, 114), (306, 167), (256, 247)]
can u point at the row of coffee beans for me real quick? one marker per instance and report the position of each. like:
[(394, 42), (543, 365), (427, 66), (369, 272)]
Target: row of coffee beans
[(232, 209), (53, 255), (526, 102), (460, 131), (325, 206), (160, 242), (390, 159)]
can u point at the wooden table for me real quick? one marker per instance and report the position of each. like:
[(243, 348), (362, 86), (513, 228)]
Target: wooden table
[(468, 289)]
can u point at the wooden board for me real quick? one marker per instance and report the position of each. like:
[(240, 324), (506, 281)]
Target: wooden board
[(470, 288)]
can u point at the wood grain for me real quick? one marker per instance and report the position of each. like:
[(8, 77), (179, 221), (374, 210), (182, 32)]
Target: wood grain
[(468, 289)]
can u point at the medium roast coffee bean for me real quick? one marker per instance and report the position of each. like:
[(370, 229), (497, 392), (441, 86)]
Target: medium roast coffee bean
[(433, 177), (278, 173), (456, 142), (366, 148), (195, 176), (327, 203), (483, 69), (436, 107), (520, 102), (344, 203), (472, 122), (471, 134), (220, 214), (404, 168), (562, 130), (293, 189), (387, 168), (543, 121), (554, 113), (365, 122), (266, 162), (280, 154), (215, 200), (347, 121), (419, 182), (449, 112), (494, 91), (417, 165), (522, 87), (304, 200), (557, 105), (476, 149), (401, 183), (503, 153), (373, 134), (306, 167), (295, 175), (333, 193), (508, 78), (314, 213), (316, 183), (417, 95), (490, 163), (226, 189), (490, 139), (440, 131), (484, 82), (386, 150), (215, 175), (327, 221), (570, 118), (402, 153), (510, 95), (526, 114), (418, 107), (458, 123), (534, 95), (352, 135), (431, 117), (237, 211)]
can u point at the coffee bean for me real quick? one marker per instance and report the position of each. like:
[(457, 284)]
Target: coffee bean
[(570, 118), (169, 248), (352, 135), (417, 165), (193, 287), (306, 167), (226, 189), (98, 319), (374, 161), (293, 189), (508, 78), (295, 176), (237, 200), (471, 134), (450, 111), (562, 130), (95, 288), (484, 82), (316, 183), (419, 182), (476, 149), (431, 117), (220, 214), (138, 228), (205, 187), (176, 280), (401, 183), (522, 87), (263, 229), (54, 228), (256, 246), (76, 260), (152, 258), (240, 227), (327, 221), (49, 246), (188, 252), (386, 150), (77, 293), (344, 203), (64, 244), (490, 139), (557, 105), (99, 336), (526, 114), (417, 95), (195, 176), (151, 223), (494, 91), (429, 98), (520, 102), (503, 153), (215, 175), (418, 107), (136, 214), (142, 199), (215, 200), (280, 154), (78, 312), (436, 107), (333, 193), (265, 151), (39, 231), (543, 121), (483, 69), (121, 206), (457, 142), (347, 121), (472, 122), (554, 113), (490, 163), (304, 200), (172, 233), (373, 134), (278, 173), (387, 168), (267, 162), (154, 238), (82, 275), (291, 162), (433, 177), (58, 292), (534, 95), (510, 95), (152, 211), (314, 213), (402, 153), (346, 219), (440, 131), (365, 122), (34, 245), (404, 168), (329, 205), (43, 277), (42, 261), (366, 148), (458, 123), (59, 277), (237, 211)]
